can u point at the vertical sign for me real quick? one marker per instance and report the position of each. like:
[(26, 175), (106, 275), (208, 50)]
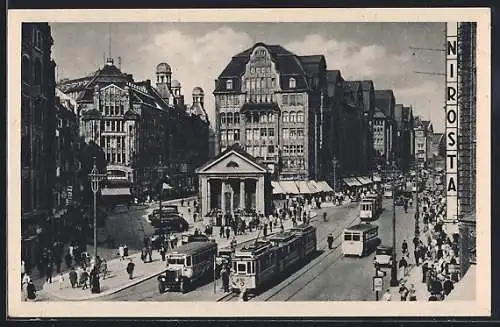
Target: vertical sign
[(451, 121)]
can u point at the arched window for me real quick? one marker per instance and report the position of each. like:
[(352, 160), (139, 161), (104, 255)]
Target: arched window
[(285, 117), (222, 118), (229, 118), (292, 83), (26, 69), (300, 117), (263, 117), (292, 117), (38, 72), (236, 118), (229, 84), (270, 118)]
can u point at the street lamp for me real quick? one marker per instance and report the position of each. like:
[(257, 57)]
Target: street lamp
[(335, 162), (394, 271), (95, 178)]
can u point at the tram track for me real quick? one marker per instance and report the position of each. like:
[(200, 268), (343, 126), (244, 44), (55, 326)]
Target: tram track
[(313, 265)]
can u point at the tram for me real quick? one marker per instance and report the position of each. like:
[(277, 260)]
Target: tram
[(186, 265), (370, 207), (265, 261)]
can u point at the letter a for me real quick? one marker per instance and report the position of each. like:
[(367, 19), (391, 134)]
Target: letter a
[(451, 185)]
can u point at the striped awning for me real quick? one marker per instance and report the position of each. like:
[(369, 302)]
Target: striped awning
[(115, 191), (277, 189), (364, 180), (289, 187)]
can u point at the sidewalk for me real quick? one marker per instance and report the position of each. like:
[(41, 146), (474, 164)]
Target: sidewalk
[(117, 279)]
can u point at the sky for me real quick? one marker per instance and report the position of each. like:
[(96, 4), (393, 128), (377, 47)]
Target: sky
[(198, 52)]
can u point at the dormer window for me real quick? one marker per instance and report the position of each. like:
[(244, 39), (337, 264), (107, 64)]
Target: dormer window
[(229, 84), (292, 83)]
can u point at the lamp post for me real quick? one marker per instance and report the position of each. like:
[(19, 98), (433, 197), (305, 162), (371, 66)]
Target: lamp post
[(334, 163), (394, 271), (95, 178)]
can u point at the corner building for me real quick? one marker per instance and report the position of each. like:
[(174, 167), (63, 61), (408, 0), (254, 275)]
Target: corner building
[(273, 103)]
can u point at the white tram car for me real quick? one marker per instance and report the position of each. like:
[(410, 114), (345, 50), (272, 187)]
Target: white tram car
[(370, 207), (265, 261)]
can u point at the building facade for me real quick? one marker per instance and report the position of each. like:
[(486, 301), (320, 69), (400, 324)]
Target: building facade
[(38, 159), (386, 102), (429, 134), (420, 141), (147, 134), (273, 103), (405, 137), (382, 136)]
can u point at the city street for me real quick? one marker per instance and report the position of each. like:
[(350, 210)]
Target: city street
[(338, 218), (333, 277)]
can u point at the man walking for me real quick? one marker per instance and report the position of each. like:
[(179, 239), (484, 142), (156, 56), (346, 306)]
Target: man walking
[(48, 271), (330, 241), (130, 269), (73, 277)]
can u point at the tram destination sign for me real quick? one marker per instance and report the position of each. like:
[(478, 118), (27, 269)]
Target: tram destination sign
[(451, 121)]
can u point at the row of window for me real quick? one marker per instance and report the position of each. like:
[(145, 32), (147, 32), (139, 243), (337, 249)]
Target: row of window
[(259, 97), (115, 157), (260, 83), (113, 126), (260, 150), (293, 117), (230, 135), (294, 163), (378, 129), (292, 133), (293, 149), (229, 118), (261, 117), (292, 99), (112, 109), (229, 100), (256, 133)]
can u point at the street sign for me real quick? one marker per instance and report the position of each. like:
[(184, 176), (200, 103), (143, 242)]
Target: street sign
[(378, 283)]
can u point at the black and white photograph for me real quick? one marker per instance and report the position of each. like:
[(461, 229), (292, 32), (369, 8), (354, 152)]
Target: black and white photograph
[(307, 162)]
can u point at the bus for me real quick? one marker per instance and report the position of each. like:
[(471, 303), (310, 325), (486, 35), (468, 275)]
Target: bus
[(187, 264), (359, 240)]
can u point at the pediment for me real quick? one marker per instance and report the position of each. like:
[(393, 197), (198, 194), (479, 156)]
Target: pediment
[(232, 163)]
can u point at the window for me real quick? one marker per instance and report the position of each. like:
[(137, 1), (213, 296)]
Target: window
[(263, 118), (292, 83), (248, 134), (255, 118), (270, 132), (285, 117), (38, 72), (263, 132), (270, 118), (286, 133), (229, 118), (236, 134), (285, 99), (223, 118), (270, 149), (26, 69), (236, 100), (229, 84), (300, 132), (300, 149), (236, 118), (292, 117), (355, 237), (293, 133), (347, 236), (299, 99), (300, 117)]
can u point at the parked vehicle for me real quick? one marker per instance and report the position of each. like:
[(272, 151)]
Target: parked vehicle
[(383, 256)]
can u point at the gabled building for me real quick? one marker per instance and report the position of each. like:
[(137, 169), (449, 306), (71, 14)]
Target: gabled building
[(147, 133), (405, 136), (381, 137), (369, 104), (273, 103), (420, 141), (429, 133), (336, 104), (386, 102), (354, 155)]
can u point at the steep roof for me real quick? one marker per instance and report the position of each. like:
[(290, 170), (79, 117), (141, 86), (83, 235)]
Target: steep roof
[(427, 124), (417, 123), (378, 113), (332, 78), (288, 64), (384, 100)]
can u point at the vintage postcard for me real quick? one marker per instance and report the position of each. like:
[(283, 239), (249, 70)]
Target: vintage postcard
[(176, 163)]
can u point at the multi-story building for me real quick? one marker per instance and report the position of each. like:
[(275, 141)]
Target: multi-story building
[(438, 151), (429, 132), (369, 102), (273, 102), (336, 104), (66, 151), (405, 136), (386, 102), (148, 134), (420, 140), (381, 137), (37, 134), (466, 188)]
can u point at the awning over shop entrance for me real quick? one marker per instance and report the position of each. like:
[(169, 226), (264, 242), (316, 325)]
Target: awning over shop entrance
[(304, 187), (364, 180), (324, 187), (313, 185), (277, 189), (351, 181), (289, 187), (115, 191)]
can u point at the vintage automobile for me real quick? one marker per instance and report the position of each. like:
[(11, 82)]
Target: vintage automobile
[(383, 256), (174, 223)]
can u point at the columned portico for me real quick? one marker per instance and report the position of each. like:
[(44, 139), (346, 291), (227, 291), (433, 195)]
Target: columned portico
[(232, 181)]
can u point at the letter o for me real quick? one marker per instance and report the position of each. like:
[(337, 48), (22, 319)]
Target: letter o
[(451, 118)]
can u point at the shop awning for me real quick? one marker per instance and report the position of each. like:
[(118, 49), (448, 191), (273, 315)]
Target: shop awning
[(363, 180), (277, 189), (115, 191), (351, 181), (313, 185), (324, 186), (289, 187), (304, 187)]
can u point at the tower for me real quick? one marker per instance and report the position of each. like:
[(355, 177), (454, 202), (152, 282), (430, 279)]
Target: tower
[(198, 96), (176, 90), (163, 79)]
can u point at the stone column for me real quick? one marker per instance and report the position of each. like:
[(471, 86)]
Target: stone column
[(259, 196), (204, 195), (223, 196), (208, 196), (242, 194)]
